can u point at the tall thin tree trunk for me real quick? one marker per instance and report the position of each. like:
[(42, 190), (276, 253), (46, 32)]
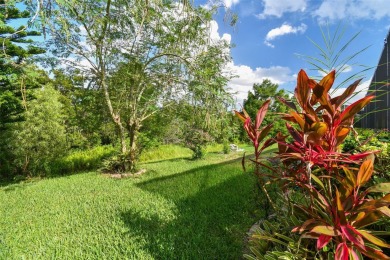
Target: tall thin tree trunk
[(133, 153), (116, 118)]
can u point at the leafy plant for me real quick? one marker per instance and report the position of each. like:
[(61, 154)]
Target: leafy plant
[(339, 206), (343, 219), (196, 139), (255, 134), (274, 240)]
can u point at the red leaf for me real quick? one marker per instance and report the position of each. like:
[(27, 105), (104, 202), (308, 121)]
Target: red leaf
[(373, 239), (261, 114), (268, 143), (288, 103), (360, 156), (341, 134), (352, 109), (322, 241), (249, 129), (352, 235), (243, 162), (323, 87), (347, 93), (240, 115), (368, 219), (325, 230), (340, 209), (294, 133), (280, 138), (375, 254), (263, 132), (321, 92), (342, 252), (303, 89)]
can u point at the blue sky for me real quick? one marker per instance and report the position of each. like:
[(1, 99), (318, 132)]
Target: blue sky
[(270, 33)]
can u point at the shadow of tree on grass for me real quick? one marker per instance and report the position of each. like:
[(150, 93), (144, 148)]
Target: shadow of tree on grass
[(215, 207)]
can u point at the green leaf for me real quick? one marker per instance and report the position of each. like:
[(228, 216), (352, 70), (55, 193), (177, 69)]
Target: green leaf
[(317, 180), (382, 187), (373, 239)]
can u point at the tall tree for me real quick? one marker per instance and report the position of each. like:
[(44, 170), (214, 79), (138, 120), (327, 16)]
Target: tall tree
[(17, 77), (139, 54), (15, 73), (260, 93), (87, 122)]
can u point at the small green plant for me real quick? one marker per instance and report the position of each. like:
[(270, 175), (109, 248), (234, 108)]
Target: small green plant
[(272, 239), (196, 140), (226, 147), (199, 152)]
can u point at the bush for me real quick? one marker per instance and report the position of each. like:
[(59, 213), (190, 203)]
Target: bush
[(341, 202), (40, 139), (196, 140), (371, 140), (165, 152), (199, 152), (85, 160), (226, 147)]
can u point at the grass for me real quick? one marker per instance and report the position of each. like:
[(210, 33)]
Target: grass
[(180, 209)]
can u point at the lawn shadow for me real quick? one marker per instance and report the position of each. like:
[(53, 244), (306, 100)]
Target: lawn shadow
[(168, 160), (213, 214)]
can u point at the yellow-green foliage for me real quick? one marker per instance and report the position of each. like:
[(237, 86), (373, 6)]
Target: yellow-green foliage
[(165, 152), (82, 160)]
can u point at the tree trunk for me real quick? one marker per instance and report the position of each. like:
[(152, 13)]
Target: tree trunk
[(133, 153), (116, 118)]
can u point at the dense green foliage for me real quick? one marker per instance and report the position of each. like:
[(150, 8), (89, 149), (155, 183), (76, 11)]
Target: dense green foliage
[(110, 87), (44, 130), (15, 78)]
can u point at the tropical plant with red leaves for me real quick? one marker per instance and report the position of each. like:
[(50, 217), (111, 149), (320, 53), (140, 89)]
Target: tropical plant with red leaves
[(342, 218), (321, 127), (255, 134), (339, 208)]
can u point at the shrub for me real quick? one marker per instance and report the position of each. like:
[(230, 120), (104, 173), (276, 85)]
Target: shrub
[(78, 161), (199, 152), (340, 202), (40, 139), (165, 152), (196, 140), (226, 147)]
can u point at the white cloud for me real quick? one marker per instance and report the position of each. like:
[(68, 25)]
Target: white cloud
[(341, 69), (214, 34), (352, 9), (282, 30), (220, 3), (279, 7), (247, 76), (230, 3)]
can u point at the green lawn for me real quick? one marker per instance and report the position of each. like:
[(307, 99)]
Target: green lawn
[(180, 209)]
